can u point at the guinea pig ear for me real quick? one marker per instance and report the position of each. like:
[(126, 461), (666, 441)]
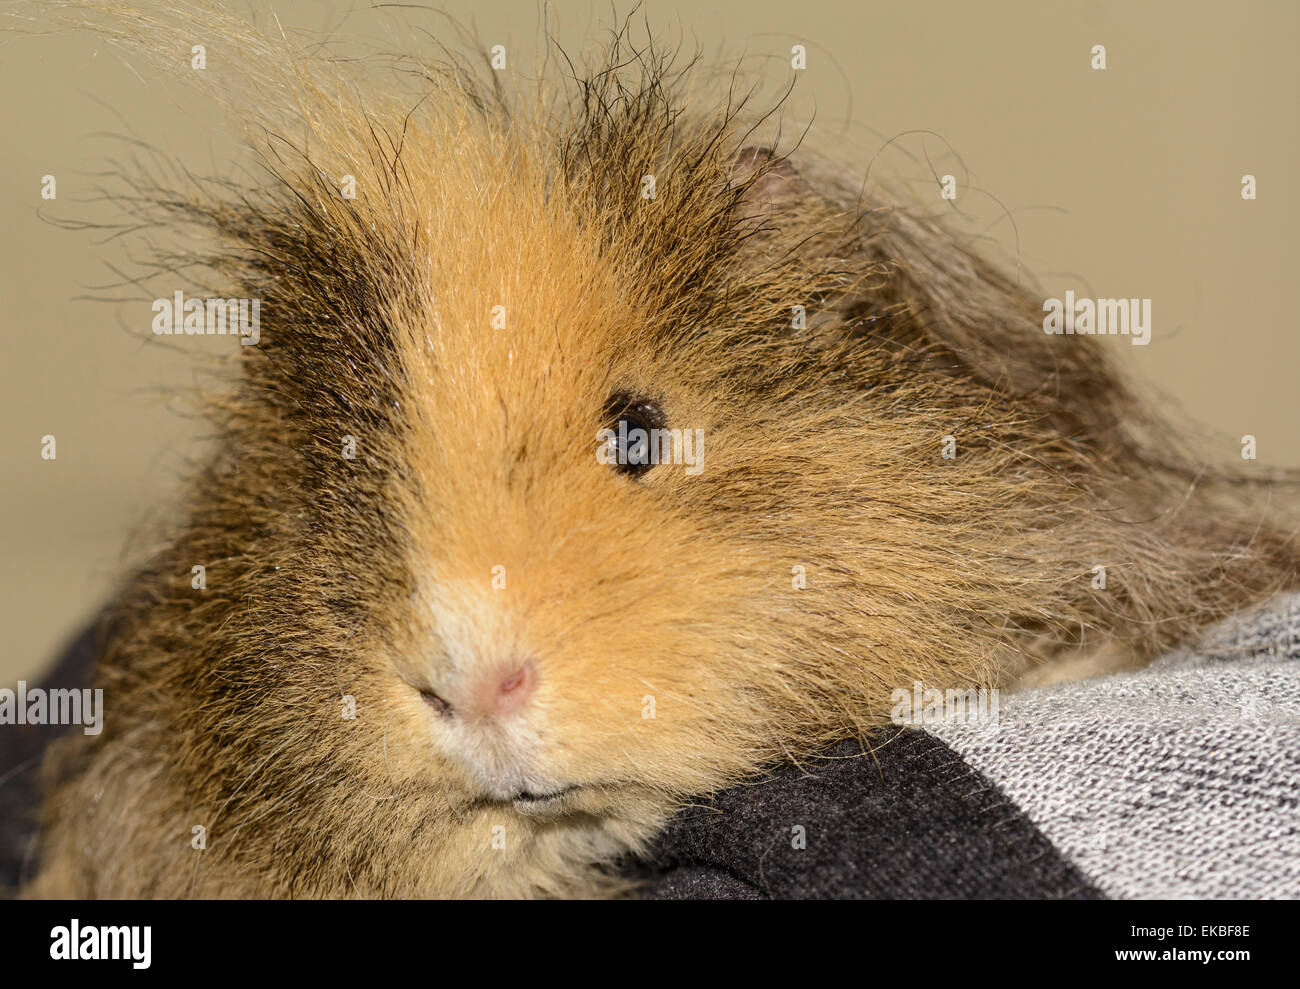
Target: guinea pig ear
[(763, 181)]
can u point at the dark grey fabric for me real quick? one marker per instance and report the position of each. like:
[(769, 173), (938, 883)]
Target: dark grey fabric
[(22, 748), (903, 819)]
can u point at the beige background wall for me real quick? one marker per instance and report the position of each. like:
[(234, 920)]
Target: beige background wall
[(1121, 183)]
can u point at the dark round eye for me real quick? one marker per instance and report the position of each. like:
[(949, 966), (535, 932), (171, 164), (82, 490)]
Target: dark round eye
[(632, 434)]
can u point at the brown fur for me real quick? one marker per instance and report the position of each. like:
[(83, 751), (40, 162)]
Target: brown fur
[(373, 577)]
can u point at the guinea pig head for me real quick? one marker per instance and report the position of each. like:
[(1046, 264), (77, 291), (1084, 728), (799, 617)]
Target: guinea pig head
[(659, 503), (588, 591)]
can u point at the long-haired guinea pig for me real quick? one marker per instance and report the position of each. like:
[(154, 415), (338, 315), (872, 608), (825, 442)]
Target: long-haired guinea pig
[(591, 457)]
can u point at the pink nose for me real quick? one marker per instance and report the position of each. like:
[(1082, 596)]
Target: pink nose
[(504, 693)]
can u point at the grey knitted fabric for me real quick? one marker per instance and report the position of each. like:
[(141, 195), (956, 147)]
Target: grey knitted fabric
[(1181, 780)]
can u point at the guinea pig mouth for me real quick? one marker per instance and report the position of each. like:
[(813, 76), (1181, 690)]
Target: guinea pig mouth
[(528, 800)]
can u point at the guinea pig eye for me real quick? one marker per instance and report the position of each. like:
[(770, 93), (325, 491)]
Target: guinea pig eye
[(628, 437)]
